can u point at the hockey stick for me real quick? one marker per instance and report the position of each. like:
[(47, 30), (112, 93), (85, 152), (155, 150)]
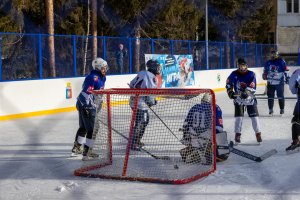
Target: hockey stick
[(250, 156), (260, 94), (164, 123), (266, 98), (264, 93), (146, 151)]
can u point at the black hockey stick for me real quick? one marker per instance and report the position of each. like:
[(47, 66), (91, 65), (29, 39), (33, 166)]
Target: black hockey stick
[(146, 151), (248, 155), (260, 94), (164, 123), (266, 98)]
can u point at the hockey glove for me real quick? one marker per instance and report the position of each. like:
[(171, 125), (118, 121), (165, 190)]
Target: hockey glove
[(244, 95), (231, 94), (287, 80), (86, 112), (150, 104), (264, 76)]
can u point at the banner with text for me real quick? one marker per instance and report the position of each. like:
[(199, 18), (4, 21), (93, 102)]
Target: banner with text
[(177, 70)]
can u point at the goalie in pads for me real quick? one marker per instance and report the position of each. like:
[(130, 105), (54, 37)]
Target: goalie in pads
[(196, 134)]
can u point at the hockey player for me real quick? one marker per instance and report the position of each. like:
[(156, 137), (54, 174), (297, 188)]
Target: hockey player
[(86, 107), (294, 86), (144, 79), (241, 86), (197, 134), (276, 74)]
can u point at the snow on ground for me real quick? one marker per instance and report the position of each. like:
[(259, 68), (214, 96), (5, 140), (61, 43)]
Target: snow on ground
[(34, 163)]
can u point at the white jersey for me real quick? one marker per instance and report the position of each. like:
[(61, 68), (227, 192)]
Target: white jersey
[(295, 78), (144, 79)]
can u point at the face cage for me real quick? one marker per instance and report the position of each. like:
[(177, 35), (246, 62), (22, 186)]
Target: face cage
[(242, 68)]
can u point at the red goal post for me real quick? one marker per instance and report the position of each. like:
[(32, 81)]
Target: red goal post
[(163, 156)]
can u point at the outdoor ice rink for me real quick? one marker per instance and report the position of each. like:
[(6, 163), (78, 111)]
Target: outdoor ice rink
[(34, 163)]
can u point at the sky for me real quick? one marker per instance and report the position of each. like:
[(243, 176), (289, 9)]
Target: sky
[(35, 163)]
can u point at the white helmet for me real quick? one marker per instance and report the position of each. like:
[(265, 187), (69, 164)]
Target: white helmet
[(206, 98), (99, 63)]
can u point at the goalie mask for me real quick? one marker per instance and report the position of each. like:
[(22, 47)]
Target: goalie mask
[(242, 66), (100, 65), (153, 66), (206, 98)]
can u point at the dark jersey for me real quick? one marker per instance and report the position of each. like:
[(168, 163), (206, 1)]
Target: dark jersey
[(94, 81), (199, 119), (239, 82), (275, 71)]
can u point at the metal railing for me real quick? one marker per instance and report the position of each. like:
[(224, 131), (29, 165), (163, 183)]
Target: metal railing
[(26, 56)]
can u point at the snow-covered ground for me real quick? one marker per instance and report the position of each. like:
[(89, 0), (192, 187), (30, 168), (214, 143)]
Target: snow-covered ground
[(34, 163)]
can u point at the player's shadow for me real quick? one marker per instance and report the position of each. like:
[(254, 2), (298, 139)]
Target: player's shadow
[(35, 150)]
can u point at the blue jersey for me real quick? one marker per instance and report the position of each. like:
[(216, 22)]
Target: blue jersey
[(219, 120), (94, 81), (275, 71), (239, 82), (199, 119)]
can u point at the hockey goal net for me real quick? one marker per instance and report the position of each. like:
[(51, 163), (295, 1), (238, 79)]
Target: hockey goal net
[(162, 154)]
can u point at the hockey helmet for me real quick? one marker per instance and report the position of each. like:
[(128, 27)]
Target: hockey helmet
[(206, 98), (274, 54), (242, 65), (99, 64), (153, 66)]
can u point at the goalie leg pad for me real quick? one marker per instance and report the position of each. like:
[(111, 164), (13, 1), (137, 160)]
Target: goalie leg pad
[(190, 155), (222, 153)]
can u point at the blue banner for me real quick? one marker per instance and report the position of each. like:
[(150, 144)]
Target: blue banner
[(177, 70)]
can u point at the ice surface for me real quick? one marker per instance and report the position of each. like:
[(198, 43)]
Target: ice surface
[(34, 163)]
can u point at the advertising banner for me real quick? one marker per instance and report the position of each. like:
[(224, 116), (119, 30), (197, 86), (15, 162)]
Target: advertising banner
[(177, 70)]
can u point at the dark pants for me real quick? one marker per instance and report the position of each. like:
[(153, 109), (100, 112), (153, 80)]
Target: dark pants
[(120, 65), (251, 110), (86, 121), (141, 121), (279, 89), (296, 120)]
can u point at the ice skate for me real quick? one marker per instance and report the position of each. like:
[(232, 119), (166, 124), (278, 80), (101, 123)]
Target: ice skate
[(86, 156), (135, 147), (281, 111), (76, 150), (237, 138), (271, 112), (294, 147), (258, 137)]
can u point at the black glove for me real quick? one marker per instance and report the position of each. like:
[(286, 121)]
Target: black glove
[(231, 94), (287, 80), (86, 112), (264, 76), (150, 104), (244, 95), (154, 103)]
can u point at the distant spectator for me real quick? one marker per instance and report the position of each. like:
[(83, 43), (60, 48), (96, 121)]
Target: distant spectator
[(120, 54)]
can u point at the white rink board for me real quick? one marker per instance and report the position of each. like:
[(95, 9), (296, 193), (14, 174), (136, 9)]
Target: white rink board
[(41, 95)]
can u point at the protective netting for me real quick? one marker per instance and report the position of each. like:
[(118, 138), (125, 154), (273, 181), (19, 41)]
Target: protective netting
[(172, 141)]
